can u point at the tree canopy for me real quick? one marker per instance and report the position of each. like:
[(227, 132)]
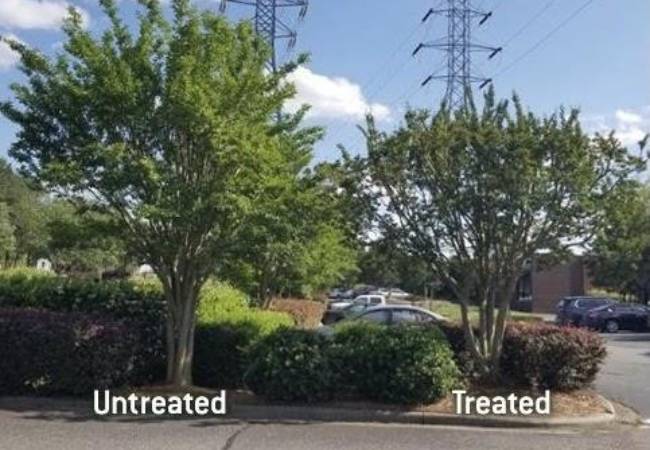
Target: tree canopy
[(172, 130), (478, 193)]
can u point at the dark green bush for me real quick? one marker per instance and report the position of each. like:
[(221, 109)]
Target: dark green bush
[(220, 358), (52, 353), (400, 364), (551, 357), (291, 365)]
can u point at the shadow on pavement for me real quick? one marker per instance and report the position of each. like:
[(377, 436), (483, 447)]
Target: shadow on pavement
[(628, 337), (75, 410)]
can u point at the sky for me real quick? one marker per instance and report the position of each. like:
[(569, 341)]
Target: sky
[(592, 55)]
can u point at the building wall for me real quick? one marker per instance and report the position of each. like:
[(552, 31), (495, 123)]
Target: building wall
[(550, 285)]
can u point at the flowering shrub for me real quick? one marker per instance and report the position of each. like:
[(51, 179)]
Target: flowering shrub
[(551, 357), (540, 356)]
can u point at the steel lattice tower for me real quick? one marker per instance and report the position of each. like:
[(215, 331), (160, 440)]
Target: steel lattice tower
[(458, 48), (268, 23)]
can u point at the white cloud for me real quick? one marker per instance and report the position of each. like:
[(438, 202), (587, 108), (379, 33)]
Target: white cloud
[(629, 125), (332, 97), (8, 57), (628, 117), (35, 14)]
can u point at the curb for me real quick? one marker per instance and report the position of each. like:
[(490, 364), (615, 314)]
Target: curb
[(320, 414), (298, 414)]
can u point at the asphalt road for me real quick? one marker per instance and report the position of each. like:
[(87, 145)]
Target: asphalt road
[(626, 374), (35, 431)]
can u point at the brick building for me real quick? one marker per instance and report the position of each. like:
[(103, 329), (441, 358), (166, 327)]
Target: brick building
[(541, 288)]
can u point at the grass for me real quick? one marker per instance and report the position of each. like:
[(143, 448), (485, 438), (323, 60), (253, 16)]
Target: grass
[(452, 312)]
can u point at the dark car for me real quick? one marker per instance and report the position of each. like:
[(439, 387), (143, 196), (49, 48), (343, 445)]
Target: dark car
[(618, 316), (572, 310)]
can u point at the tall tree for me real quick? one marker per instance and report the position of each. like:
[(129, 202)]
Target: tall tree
[(171, 129), (479, 193)]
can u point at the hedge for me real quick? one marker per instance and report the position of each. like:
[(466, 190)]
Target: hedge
[(540, 356), (227, 326), (405, 365), (52, 353)]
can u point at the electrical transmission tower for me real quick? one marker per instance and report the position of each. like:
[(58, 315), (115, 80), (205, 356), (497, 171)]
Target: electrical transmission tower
[(268, 24), (458, 48)]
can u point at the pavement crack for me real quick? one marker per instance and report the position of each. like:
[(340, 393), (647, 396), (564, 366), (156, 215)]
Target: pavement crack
[(231, 439)]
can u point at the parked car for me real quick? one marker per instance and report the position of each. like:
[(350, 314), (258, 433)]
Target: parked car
[(367, 300), (572, 310), (618, 316), (391, 315), (340, 294), (393, 293), (332, 316)]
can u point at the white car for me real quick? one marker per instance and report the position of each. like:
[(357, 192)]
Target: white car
[(394, 293), (366, 300)]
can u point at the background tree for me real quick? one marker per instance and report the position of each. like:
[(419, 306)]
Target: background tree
[(275, 252), (171, 130), (84, 242), (620, 258), (7, 238), (478, 193), (27, 212)]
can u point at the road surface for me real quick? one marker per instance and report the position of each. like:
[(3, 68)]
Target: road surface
[(23, 430), (626, 374)]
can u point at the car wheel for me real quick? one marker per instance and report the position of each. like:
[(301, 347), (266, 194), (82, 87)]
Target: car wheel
[(611, 326)]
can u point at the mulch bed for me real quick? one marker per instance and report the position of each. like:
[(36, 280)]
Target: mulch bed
[(580, 403)]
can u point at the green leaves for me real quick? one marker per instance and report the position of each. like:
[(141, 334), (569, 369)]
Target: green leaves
[(478, 194)]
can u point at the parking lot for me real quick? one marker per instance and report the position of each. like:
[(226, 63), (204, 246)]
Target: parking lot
[(626, 374)]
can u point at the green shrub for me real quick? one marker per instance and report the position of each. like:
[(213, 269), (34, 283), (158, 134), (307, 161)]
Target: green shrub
[(227, 328), (291, 365), (52, 353), (401, 364), (551, 357)]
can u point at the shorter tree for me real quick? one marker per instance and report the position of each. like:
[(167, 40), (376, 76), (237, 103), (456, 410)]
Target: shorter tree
[(478, 194)]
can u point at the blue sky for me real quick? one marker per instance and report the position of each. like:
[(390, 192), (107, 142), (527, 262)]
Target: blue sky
[(360, 58)]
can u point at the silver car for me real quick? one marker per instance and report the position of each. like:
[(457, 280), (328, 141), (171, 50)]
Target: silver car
[(392, 315)]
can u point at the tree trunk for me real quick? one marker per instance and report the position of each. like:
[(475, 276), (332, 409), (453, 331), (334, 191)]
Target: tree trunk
[(181, 293)]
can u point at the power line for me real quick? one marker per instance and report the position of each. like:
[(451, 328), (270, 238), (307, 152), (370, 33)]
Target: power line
[(545, 38)]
